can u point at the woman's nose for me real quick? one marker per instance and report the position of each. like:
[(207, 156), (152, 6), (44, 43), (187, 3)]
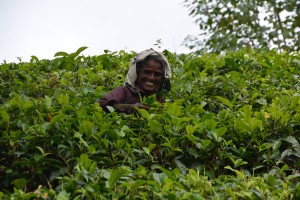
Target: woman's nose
[(151, 76)]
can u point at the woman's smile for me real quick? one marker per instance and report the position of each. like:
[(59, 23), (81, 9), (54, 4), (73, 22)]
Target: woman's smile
[(150, 77)]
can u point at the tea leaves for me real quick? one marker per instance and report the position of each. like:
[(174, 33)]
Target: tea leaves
[(229, 129)]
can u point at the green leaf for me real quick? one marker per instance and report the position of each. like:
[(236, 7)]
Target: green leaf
[(114, 177), (48, 102), (276, 145), (241, 126), (151, 146), (79, 136), (57, 118), (110, 108), (45, 126), (293, 141), (20, 183), (146, 150), (63, 195), (28, 106), (42, 151), (144, 113), (121, 133), (61, 53), (160, 178), (221, 131), (173, 109), (150, 100), (63, 100), (81, 49), (206, 143), (34, 58), (238, 173), (156, 127), (4, 117), (239, 162), (190, 129), (181, 166), (137, 184), (86, 127), (225, 101), (211, 124), (85, 161)]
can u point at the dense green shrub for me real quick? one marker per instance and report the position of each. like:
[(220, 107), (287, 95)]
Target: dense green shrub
[(229, 129)]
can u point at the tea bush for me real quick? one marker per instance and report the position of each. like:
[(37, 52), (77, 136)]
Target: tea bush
[(229, 129)]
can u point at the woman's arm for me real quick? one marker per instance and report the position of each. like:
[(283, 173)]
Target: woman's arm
[(122, 100)]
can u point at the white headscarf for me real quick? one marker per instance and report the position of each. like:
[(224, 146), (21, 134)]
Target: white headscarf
[(132, 76)]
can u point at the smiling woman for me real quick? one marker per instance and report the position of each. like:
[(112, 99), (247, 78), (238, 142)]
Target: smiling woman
[(149, 74)]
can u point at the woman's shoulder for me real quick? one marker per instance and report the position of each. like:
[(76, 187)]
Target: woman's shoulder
[(122, 92), (123, 89)]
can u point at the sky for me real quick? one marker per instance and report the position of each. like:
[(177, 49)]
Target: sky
[(44, 27)]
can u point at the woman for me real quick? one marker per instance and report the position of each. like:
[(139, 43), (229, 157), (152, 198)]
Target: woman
[(149, 73)]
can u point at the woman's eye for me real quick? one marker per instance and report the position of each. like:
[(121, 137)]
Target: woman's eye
[(157, 74), (147, 72)]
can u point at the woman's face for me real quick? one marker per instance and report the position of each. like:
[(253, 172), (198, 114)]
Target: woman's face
[(150, 77)]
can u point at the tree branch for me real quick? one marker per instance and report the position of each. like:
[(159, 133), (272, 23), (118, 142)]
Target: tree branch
[(276, 11)]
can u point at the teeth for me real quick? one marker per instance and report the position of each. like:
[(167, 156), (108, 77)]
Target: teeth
[(149, 84)]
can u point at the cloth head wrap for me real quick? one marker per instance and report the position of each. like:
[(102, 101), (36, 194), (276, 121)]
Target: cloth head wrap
[(132, 76)]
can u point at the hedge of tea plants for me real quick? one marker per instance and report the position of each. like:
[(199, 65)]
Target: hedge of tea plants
[(229, 129)]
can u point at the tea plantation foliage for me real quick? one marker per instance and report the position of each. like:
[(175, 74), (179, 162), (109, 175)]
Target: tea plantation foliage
[(229, 130)]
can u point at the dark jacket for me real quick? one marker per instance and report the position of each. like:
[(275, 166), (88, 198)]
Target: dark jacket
[(122, 99)]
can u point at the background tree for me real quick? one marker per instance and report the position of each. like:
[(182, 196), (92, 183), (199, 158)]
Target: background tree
[(232, 24)]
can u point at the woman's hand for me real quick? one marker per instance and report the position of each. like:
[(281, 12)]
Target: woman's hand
[(141, 106)]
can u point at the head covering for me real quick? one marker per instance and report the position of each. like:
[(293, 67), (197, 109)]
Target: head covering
[(132, 76)]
